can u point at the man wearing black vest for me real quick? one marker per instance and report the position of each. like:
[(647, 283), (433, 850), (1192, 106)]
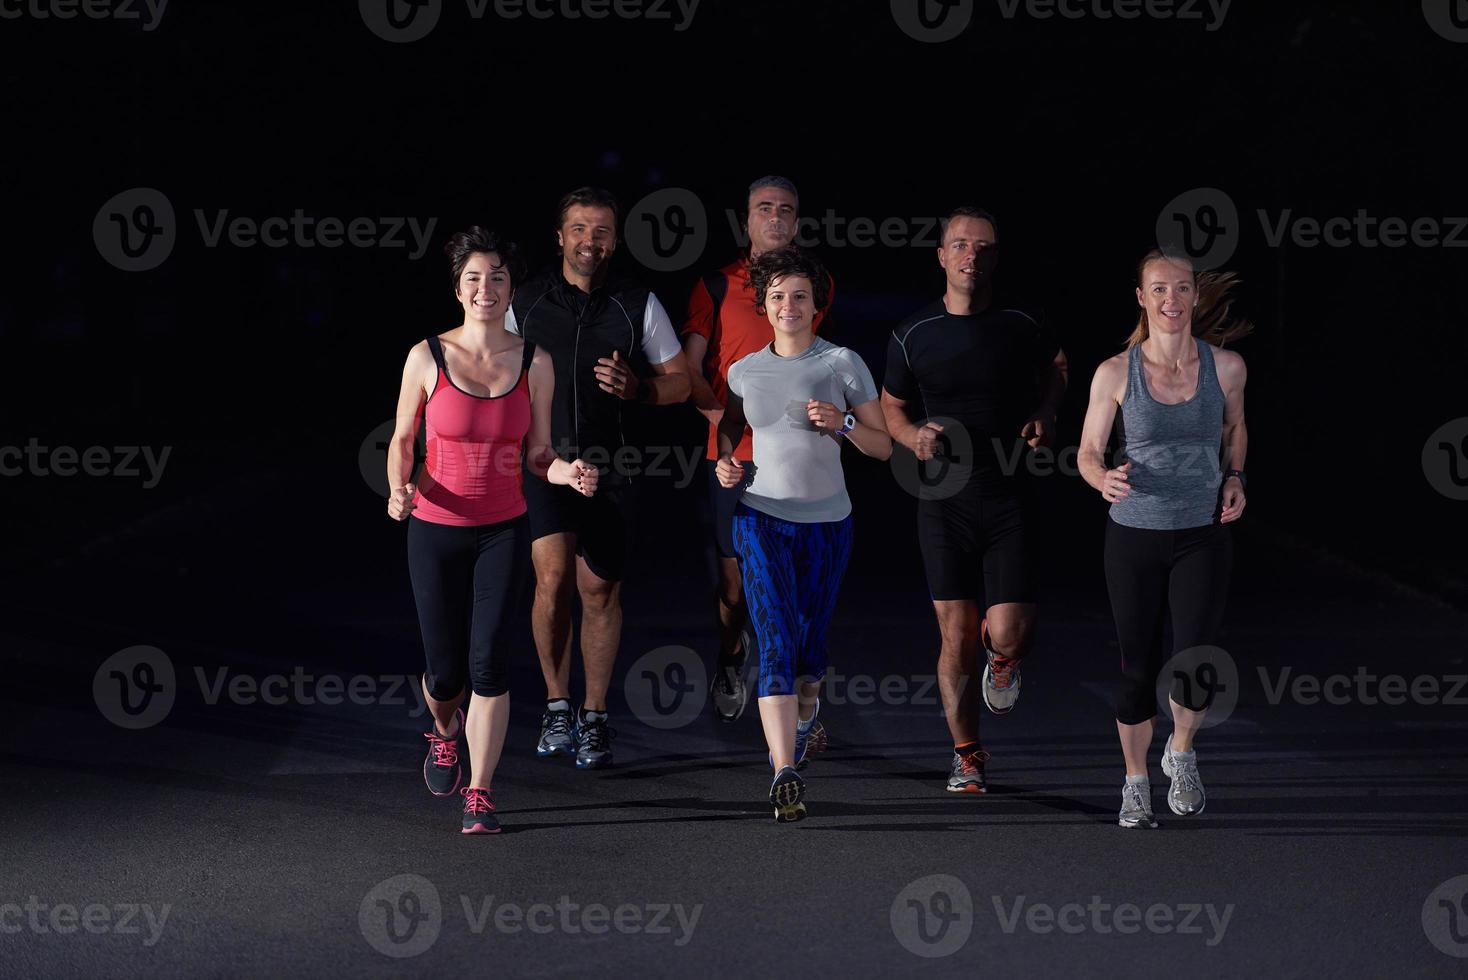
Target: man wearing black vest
[(611, 343)]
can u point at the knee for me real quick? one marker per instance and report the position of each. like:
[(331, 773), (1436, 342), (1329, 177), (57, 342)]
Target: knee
[(553, 581), (1011, 637), (598, 594)]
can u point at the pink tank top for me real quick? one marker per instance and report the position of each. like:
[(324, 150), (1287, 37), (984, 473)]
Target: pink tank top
[(472, 473)]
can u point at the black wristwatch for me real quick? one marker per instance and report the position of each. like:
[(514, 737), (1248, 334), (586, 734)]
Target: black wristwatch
[(1243, 479)]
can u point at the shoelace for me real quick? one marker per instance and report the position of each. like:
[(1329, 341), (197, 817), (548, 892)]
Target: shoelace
[(596, 734), (1001, 669), (476, 800), (1135, 800), (966, 762), (1185, 774), (445, 750), (557, 723)]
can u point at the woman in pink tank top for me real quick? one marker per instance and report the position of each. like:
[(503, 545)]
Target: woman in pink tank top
[(482, 394)]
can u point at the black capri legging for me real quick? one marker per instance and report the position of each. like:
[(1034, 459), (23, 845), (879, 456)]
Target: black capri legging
[(467, 583), (1149, 573)]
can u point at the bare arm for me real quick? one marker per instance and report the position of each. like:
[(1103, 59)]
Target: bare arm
[(412, 396), (1052, 382), (669, 384), (870, 434), (1108, 388), (921, 439), (695, 348), (1232, 374), (731, 426), (540, 456)]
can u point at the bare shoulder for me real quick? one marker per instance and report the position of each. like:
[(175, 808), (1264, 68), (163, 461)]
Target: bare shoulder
[(1110, 378), (1230, 366), (419, 357), (540, 361)]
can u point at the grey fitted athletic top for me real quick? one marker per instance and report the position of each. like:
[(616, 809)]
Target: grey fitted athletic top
[(797, 471), (1173, 449)]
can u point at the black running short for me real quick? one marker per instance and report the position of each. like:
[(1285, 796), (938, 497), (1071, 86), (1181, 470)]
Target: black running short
[(600, 523), (975, 547)]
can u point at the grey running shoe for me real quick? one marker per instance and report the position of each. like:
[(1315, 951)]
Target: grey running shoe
[(1001, 677), (556, 737), (727, 691), (1136, 806), (786, 794), (1185, 796), (594, 741), (966, 775)]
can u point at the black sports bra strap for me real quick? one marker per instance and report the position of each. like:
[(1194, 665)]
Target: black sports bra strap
[(528, 357), (435, 346)]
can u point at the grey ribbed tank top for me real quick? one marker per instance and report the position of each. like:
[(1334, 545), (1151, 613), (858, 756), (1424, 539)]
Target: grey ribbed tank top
[(1173, 449)]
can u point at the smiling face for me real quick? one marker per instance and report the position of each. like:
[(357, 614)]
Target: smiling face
[(790, 305), (969, 253), (1168, 295), (484, 287), (773, 213), (588, 237)]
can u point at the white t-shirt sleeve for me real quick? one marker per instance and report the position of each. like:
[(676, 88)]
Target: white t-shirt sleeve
[(659, 339), (856, 379), (511, 324)]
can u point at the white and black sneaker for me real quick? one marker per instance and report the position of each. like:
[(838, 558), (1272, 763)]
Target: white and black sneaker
[(1136, 804), (594, 741), (786, 795), (557, 732)]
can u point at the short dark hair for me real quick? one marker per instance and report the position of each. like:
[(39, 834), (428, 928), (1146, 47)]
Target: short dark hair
[(789, 261), (970, 211), (772, 180), (462, 244), (589, 197)]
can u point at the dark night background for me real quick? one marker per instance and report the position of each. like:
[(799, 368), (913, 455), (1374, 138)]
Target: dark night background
[(264, 370)]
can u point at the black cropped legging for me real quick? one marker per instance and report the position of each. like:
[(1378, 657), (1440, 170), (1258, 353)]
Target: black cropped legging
[(467, 583), (1149, 574)]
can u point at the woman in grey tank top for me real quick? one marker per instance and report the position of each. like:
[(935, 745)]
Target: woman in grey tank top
[(1177, 400)]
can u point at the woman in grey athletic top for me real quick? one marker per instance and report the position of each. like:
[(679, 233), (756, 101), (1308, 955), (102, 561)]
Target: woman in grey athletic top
[(801, 396), (1179, 402)]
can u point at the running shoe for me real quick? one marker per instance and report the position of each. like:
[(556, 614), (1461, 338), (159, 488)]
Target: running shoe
[(786, 794), (557, 734), (1136, 806), (1001, 677), (478, 811), (441, 768), (1185, 796), (727, 691), (594, 741), (811, 742), (966, 775)]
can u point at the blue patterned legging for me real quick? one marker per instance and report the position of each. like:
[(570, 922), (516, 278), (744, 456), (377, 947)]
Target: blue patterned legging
[(792, 573)]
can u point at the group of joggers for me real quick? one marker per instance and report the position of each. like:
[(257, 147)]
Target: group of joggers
[(526, 405)]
